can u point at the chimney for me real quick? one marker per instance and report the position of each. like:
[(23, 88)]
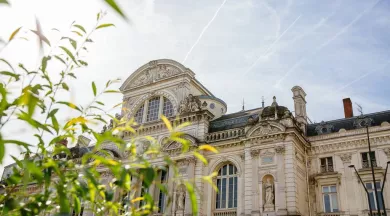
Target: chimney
[(348, 111)]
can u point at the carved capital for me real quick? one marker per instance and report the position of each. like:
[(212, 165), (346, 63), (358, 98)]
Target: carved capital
[(242, 156), (255, 152), (387, 152), (280, 149), (346, 158)]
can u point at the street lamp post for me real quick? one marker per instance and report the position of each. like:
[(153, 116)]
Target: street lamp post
[(383, 186), (372, 171), (364, 186)]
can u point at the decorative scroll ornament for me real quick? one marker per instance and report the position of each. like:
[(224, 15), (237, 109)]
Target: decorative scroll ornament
[(190, 104), (346, 158), (324, 128), (387, 152), (362, 121)]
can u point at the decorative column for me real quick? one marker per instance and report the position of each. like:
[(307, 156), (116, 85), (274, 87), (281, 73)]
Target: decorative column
[(280, 187), (291, 184), (248, 187), (255, 192)]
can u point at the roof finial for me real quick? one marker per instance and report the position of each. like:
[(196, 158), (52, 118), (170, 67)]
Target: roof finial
[(274, 103), (243, 104), (262, 101)]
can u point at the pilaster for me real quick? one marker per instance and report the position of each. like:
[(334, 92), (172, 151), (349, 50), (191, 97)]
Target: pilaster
[(248, 187)]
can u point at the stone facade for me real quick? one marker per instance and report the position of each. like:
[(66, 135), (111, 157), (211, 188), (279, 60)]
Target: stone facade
[(276, 163)]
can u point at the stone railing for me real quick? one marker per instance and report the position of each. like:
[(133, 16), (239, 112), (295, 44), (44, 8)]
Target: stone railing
[(366, 164), (328, 168), (225, 212), (331, 214), (224, 135)]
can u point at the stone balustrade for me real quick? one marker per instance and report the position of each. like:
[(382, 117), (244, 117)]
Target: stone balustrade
[(225, 212), (224, 135)]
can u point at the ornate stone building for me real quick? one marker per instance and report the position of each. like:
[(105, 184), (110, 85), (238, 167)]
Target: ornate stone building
[(271, 162)]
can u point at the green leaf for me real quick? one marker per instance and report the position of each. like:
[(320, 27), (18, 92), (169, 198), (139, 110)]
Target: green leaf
[(94, 88), (200, 157), (80, 27), (72, 75), (191, 193), (55, 124), (2, 150), (78, 33), (71, 105), (7, 73), (148, 176), (60, 59), (101, 103), (83, 63), (4, 2), (65, 86), (89, 40), (52, 113), (112, 91), (77, 205), (73, 43), (115, 6), (14, 33), (69, 54), (105, 25), (44, 62), (9, 65)]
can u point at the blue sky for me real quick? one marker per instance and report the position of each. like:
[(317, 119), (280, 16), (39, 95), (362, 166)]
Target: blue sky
[(253, 48)]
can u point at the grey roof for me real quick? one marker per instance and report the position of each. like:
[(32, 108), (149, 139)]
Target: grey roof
[(212, 97), (375, 119), (233, 120)]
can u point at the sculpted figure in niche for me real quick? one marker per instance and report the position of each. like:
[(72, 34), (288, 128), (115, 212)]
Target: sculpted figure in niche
[(181, 198), (269, 195)]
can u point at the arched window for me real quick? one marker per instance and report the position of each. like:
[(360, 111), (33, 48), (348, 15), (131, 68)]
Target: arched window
[(153, 108), (227, 186)]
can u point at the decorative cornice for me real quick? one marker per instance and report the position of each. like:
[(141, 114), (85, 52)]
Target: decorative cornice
[(186, 161), (360, 131)]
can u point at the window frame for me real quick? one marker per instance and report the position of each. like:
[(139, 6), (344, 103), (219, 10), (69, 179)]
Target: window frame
[(326, 170), (330, 193), (367, 153), (161, 196), (160, 109), (371, 191), (233, 195)]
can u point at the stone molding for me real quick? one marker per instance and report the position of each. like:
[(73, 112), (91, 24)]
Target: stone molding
[(280, 149), (350, 144), (354, 132), (265, 128), (186, 161)]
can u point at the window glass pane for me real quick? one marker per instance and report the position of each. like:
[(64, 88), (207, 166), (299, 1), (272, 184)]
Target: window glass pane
[(218, 196), (369, 186), (372, 155), (235, 191), (378, 186), (364, 156), (372, 200), (327, 203), (230, 195), (323, 161), (330, 161), (224, 170), (230, 169), (223, 191), (153, 107), (325, 189), (333, 188), (219, 172), (380, 200), (335, 206), (167, 108), (235, 169), (139, 114)]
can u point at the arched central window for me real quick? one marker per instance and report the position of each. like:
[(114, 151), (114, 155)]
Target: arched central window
[(153, 108), (227, 186)]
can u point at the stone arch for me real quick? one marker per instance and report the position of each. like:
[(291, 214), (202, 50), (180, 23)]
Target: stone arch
[(140, 101), (225, 160), (275, 125), (273, 175), (150, 69)]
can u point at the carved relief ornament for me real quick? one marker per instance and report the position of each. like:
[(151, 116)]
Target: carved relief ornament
[(280, 149), (190, 104), (154, 73), (346, 158)]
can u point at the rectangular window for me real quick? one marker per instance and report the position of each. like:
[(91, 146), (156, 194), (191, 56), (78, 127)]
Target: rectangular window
[(153, 107), (329, 194), (327, 164), (223, 199), (371, 195), (235, 192), (161, 196), (366, 157), (218, 201), (231, 191)]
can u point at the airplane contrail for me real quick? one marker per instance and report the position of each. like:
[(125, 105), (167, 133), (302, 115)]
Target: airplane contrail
[(344, 29), (204, 30), (272, 45)]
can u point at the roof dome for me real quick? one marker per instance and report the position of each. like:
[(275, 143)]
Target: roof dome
[(270, 111)]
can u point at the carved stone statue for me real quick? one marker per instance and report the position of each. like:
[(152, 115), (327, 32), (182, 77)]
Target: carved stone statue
[(190, 104), (180, 198), (269, 195)]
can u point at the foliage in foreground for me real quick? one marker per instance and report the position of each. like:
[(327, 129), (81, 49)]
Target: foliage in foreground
[(66, 185)]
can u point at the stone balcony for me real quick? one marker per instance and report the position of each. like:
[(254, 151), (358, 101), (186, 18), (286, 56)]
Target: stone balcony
[(225, 212), (225, 135)]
